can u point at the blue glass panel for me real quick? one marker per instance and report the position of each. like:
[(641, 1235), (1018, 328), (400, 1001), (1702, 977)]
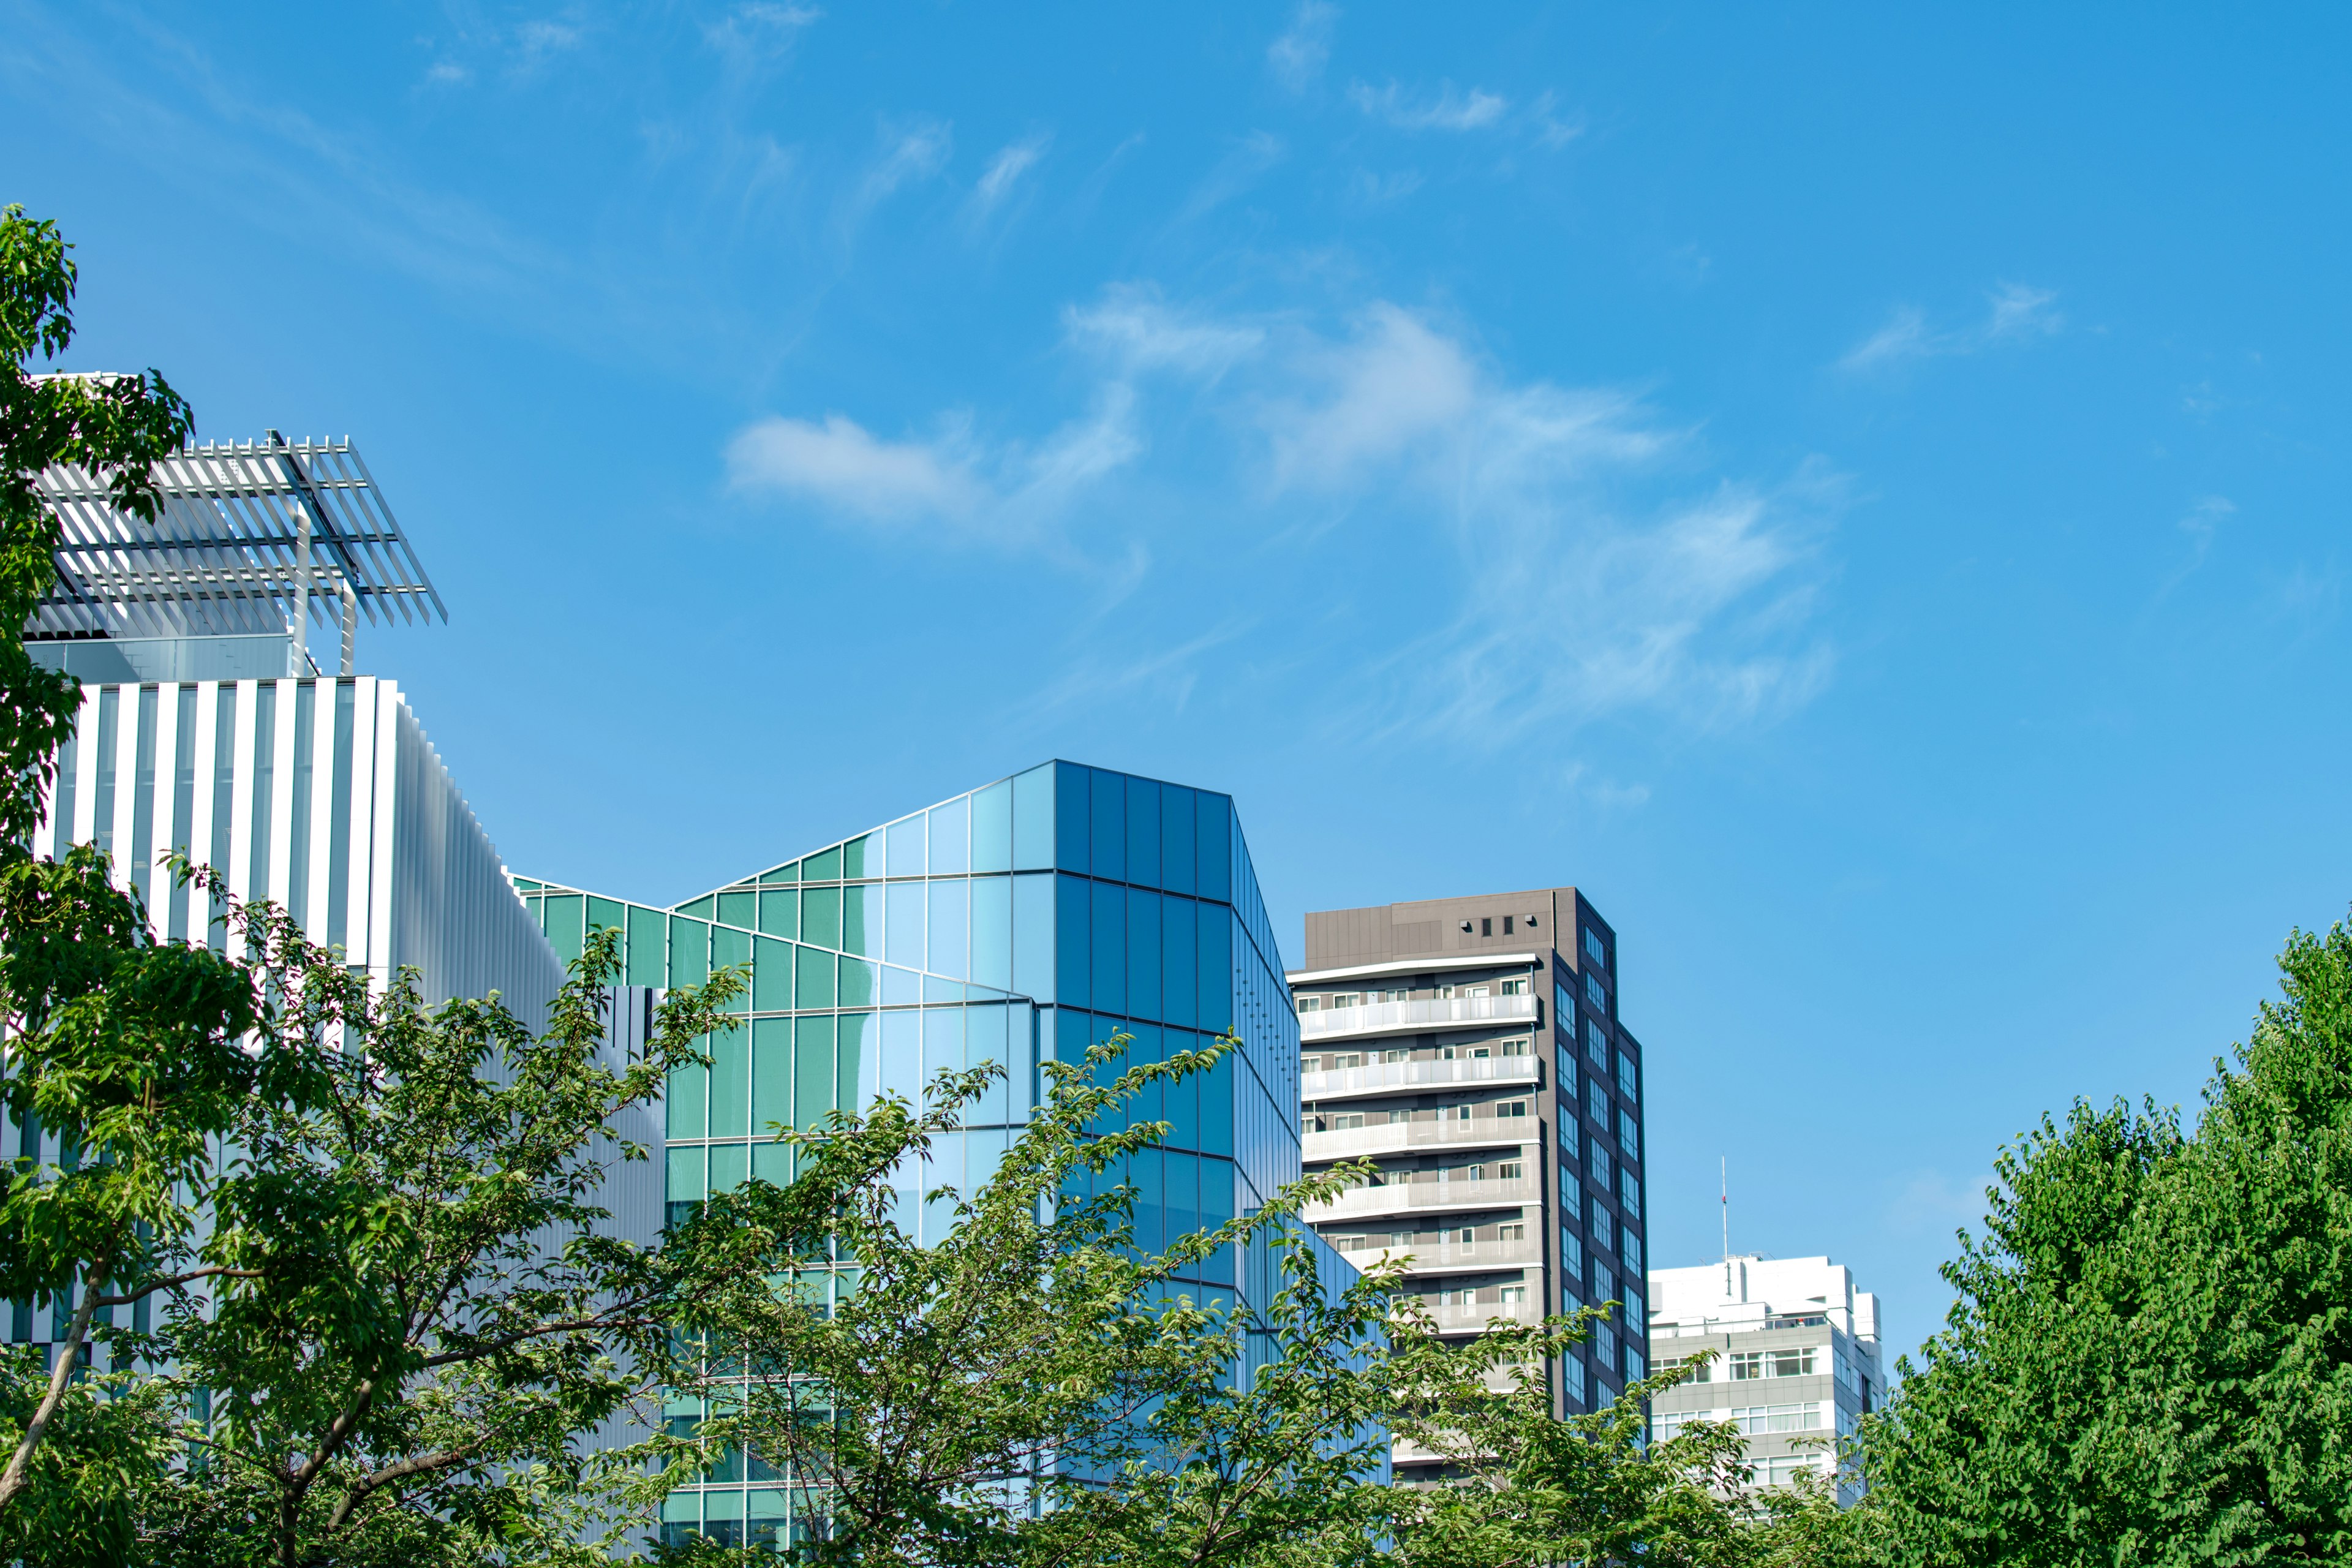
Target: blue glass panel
[(1073, 939), (1033, 819), (1179, 1193), (729, 1164), (900, 987), (938, 990), (992, 930), (1216, 958), (951, 838), (1145, 1046), (861, 920), (688, 1100), (1217, 1207), (1033, 935), (1109, 833), (903, 924), (986, 1043), (991, 827), (1180, 1100), (1179, 961), (1179, 831), (731, 1083), (950, 936), (1072, 815), (1144, 1169), (906, 847), (1143, 832), (1109, 967), (771, 1076), (943, 1041), (1217, 1107), (1214, 855), (861, 983), (1143, 954)]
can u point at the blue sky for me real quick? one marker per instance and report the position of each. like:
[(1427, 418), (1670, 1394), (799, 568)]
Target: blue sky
[(1860, 493)]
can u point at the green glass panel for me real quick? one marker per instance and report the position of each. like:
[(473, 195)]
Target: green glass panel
[(604, 912), (689, 1093), (648, 947), (821, 916), (852, 859), (790, 873), (812, 1070), (739, 908), (729, 948), (525, 886), (812, 985), (562, 913), (771, 1163), (779, 913), (729, 1164), (698, 907), (772, 976), (861, 920), (731, 1082), (771, 1076), (825, 867), (685, 1175), (689, 951), (860, 984), (859, 1037)]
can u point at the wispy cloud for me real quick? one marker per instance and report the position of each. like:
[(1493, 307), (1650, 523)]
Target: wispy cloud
[(1242, 166), (2015, 313), (910, 154), (1448, 111), (1005, 171), (1297, 57), (754, 35), (1553, 129), (1140, 331)]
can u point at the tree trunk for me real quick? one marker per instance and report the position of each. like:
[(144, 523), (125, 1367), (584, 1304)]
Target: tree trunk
[(19, 1472)]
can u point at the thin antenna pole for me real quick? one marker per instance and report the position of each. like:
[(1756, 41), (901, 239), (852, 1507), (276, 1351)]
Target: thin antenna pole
[(1727, 1226)]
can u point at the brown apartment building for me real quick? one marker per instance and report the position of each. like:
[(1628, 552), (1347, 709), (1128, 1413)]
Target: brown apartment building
[(1472, 1048)]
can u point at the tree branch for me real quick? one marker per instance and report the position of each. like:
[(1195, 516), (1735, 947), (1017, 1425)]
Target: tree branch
[(17, 1475)]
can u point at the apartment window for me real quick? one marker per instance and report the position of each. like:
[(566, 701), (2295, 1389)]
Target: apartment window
[(1604, 1345), (1487, 926), (1629, 1135), (1473, 1172), (1793, 1362), (1510, 1232), (1701, 1371), (1512, 1295), (1571, 1253), (1759, 1419), (1519, 1047), (1600, 1225), (1636, 1368), (1596, 1045), (1400, 996), (1469, 1235), (1461, 1113), (1348, 1122), (1593, 993), (1604, 1284), (1346, 999), (1460, 1298), (1511, 1171), (1596, 1101), (1515, 988), (1599, 1161), (1626, 1082), (1629, 1247), (1343, 1063), (1309, 1125), (1475, 990), (1305, 1004), (1666, 1423), (1592, 948), (1399, 1118), (1396, 1056), (1628, 1193), (1779, 1470), (1745, 1365), (1354, 1243), (1637, 1322), (1512, 1107), (1571, 1191), (1563, 1007), (1567, 1142), (1571, 1378), (1507, 925)]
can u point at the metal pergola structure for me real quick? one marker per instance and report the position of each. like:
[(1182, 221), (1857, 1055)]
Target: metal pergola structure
[(254, 538)]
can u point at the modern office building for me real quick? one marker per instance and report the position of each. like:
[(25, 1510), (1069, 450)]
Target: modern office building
[(1019, 923), (1472, 1048), (1796, 1361)]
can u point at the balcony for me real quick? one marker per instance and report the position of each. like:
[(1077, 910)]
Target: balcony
[(1412, 1018), (1451, 1320), (1453, 1257), (1412, 1137), (1409, 1077), (1400, 1197)]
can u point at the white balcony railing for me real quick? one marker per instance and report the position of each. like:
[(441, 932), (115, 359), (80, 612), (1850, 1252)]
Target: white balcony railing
[(1407, 1137), (1452, 1256), (1454, 1320), (1400, 1197), (1411, 1017), (1404, 1077)]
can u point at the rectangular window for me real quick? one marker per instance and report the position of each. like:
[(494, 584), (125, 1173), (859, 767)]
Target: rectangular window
[(1595, 1046), (1596, 1101), (1511, 1171), (1519, 1047), (1512, 1295), (1627, 1084), (1743, 1366), (1513, 988), (1486, 927), (1567, 1142), (1628, 1193), (1311, 1004), (1600, 1166), (1636, 1368), (1629, 1247), (1796, 1361), (1347, 1122), (1571, 1377), (1512, 1107), (1599, 1222), (1563, 1008), (1604, 1345), (1510, 1235), (1571, 1253), (1701, 1371), (1629, 1135), (1592, 948), (1571, 1191), (1757, 1420), (1594, 994)]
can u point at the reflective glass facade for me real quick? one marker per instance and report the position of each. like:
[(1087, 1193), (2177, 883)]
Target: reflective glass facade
[(1017, 924)]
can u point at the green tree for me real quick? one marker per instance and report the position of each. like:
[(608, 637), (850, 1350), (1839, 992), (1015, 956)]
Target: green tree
[(2151, 1358)]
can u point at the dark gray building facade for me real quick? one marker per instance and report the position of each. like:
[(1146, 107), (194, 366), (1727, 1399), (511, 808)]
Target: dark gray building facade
[(1473, 1049)]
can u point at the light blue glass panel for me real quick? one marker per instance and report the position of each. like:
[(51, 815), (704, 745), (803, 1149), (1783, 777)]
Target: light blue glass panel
[(1214, 855), (861, 920), (1109, 967), (688, 1100), (905, 836), (1177, 832), (900, 1069), (1073, 817), (951, 838), (780, 913), (1109, 836), (729, 1164), (986, 1043), (1180, 1100), (771, 1076), (1033, 819), (772, 976), (942, 1041), (992, 930), (860, 1061), (904, 940), (1143, 831), (991, 827), (1216, 977), (1179, 961), (951, 922), (861, 983), (1144, 954), (900, 987), (731, 1083), (1033, 935)]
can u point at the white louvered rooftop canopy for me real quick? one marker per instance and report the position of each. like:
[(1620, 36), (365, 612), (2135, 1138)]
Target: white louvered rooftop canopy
[(226, 555)]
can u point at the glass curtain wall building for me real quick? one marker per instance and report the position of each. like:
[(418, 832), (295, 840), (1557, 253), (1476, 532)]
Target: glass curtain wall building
[(1017, 924), (1472, 1048)]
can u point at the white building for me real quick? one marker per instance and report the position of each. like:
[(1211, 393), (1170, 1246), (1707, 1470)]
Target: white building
[(1797, 1357)]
